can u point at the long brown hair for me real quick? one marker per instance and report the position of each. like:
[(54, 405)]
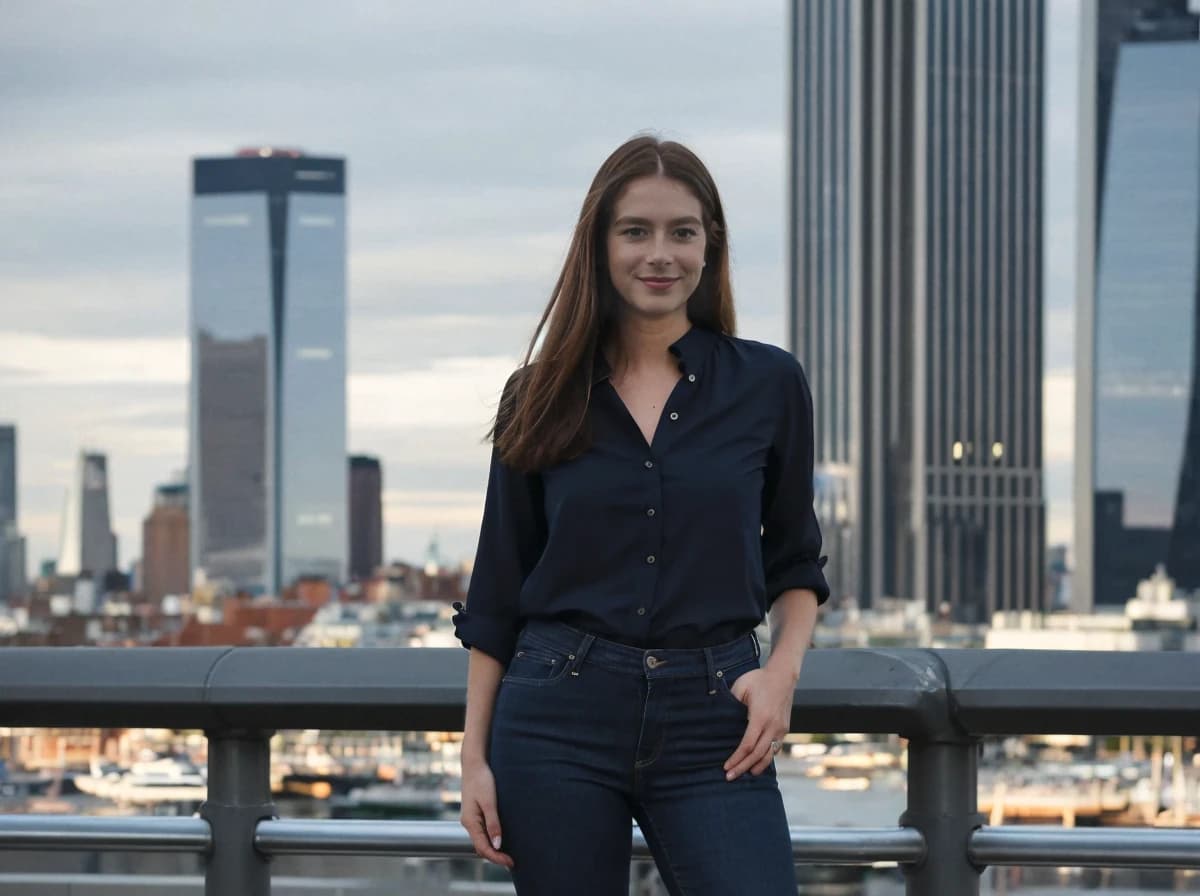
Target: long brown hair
[(542, 413)]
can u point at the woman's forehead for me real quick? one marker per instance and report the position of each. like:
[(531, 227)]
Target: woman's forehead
[(657, 197)]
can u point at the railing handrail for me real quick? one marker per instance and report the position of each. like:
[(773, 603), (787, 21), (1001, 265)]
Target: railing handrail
[(932, 694), (995, 845)]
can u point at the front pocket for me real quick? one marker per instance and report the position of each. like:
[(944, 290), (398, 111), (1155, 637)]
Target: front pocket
[(536, 666), (730, 675)]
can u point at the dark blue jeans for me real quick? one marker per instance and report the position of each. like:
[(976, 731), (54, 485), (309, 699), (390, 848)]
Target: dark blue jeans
[(589, 735)]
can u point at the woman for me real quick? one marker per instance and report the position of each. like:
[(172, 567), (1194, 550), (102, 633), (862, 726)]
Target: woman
[(650, 498)]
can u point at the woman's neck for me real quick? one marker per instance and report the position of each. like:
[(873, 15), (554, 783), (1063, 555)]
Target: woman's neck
[(643, 344)]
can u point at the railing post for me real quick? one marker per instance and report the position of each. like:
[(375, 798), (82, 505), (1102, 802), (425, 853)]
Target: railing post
[(239, 796), (943, 806)]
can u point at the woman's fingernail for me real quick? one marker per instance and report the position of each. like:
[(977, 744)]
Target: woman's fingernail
[(495, 843)]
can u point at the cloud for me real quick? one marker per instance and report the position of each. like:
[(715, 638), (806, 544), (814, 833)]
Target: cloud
[(1059, 334), (453, 391), (1058, 414), (1060, 524), (43, 360), (465, 262), (433, 509)]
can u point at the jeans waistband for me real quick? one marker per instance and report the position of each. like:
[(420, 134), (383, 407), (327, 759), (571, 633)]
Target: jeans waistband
[(583, 647)]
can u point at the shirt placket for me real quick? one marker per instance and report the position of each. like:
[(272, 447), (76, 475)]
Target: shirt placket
[(652, 558)]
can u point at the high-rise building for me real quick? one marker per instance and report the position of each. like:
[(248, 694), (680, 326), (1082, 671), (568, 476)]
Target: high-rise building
[(8, 473), (12, 545), (1137, 457), (165, 544), (88, 546), (366, 516), (915, 294), (12, 562), (268, 387)]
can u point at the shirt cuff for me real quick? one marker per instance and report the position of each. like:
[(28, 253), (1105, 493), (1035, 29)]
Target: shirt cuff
[(801, 574), (495, 636)]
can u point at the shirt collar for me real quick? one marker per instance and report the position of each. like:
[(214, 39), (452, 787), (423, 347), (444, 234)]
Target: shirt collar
[(691, 349)]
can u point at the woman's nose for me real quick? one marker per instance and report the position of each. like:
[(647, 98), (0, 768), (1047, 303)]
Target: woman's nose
[(659, 253)]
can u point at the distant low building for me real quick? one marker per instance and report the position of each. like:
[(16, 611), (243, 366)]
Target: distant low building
[(1159, 617), (244, 621)]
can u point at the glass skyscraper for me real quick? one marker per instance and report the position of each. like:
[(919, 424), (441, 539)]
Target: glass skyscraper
[(915, 295), (1138, 488), (268, 385)]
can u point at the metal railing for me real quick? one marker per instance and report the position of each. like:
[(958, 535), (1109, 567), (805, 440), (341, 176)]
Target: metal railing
[(942, 701)]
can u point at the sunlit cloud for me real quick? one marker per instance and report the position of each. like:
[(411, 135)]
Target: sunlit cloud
[(1058, 414), (44, 360), (433, 509), (450, 392)]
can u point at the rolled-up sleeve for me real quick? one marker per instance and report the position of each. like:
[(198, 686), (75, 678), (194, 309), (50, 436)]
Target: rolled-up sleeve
[(791, 537), (511, 539)]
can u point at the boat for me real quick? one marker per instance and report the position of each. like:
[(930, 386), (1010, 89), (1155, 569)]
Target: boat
[(423, 796), (164, 779)]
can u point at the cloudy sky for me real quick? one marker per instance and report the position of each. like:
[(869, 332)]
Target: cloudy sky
[(471, 130)]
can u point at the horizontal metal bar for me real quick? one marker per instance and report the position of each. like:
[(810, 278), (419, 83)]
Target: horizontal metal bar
[(856, 846), (123, 884), (902, 691), (447, 839), (1073, 691), (1086, 847), (80, 833)]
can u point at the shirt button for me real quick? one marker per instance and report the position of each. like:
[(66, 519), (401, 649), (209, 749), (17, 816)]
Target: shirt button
[(649, 464), (650, 559), (641, 611), (674, 415), (649, 511), (691, 377)]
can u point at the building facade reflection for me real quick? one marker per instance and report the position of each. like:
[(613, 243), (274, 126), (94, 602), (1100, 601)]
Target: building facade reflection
[(1143, 443), (268, 406)]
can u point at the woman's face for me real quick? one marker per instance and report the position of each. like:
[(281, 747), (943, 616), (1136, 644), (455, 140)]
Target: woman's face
[(656, 246)]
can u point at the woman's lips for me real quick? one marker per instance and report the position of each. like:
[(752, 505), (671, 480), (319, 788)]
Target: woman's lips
[(658, 282)]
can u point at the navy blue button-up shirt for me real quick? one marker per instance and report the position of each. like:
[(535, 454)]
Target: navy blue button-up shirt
[(681, 543)]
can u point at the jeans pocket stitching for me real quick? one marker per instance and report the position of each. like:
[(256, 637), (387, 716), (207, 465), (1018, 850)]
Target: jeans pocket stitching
[(556, 659)]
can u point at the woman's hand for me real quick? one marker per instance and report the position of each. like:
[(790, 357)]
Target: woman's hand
[(768, 694), (479, 815)]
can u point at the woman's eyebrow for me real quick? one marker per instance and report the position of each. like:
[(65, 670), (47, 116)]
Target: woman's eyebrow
[(629, 219)]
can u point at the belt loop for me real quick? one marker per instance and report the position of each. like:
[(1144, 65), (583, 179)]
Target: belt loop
[(754, 639), (580, 652), (712, 672)]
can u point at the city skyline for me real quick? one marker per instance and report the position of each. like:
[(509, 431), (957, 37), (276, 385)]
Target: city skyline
[(452, 252)]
